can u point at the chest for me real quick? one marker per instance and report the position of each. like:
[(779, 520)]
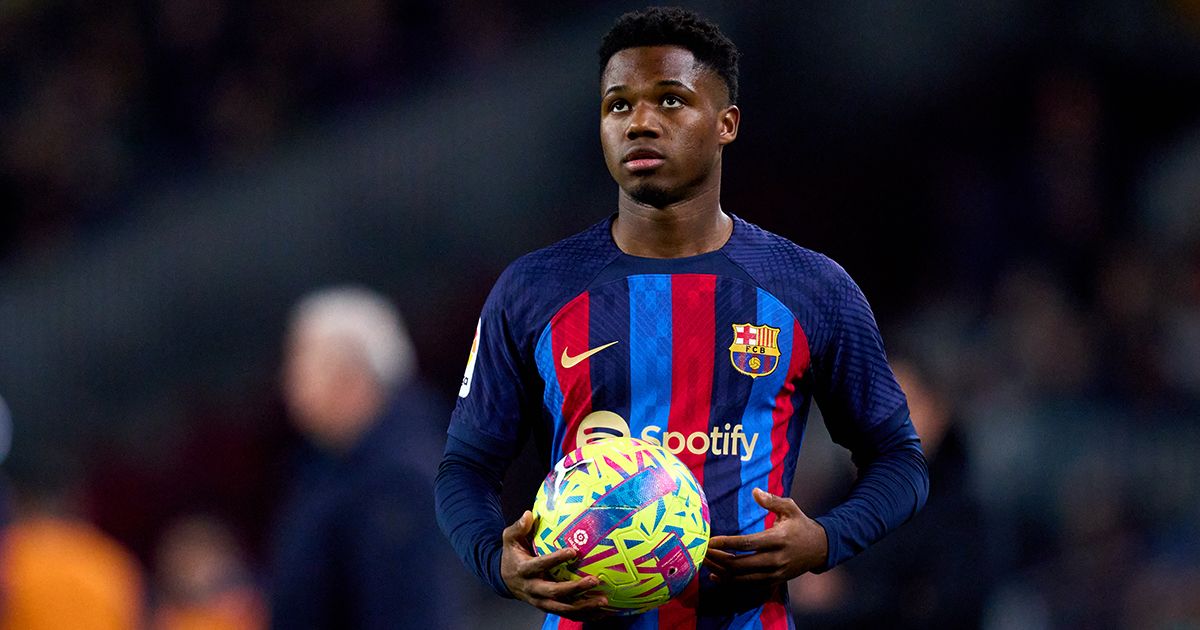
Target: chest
[(687, 360)]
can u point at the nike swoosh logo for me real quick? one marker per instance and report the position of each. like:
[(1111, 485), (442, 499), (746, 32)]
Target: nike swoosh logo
[(569, 361)]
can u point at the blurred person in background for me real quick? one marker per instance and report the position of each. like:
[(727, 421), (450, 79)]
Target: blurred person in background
[(57, 570), (356, 545), (934, 573), (203, 580)]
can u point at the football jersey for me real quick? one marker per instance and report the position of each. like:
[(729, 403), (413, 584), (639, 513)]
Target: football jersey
[(716, 357)]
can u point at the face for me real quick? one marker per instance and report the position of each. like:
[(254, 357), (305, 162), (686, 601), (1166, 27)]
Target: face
[(323, 387), (663, 122)]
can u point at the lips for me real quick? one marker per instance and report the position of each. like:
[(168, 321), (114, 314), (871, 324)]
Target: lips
[(643, 159)]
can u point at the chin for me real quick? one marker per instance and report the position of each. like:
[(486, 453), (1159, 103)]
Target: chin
[(651, 195)]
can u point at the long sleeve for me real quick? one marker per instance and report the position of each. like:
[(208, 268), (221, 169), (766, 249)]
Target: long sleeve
[(866, 412), (892, 485), (467, 496)]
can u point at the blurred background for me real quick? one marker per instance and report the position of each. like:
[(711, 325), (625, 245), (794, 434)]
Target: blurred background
[(1014, 184)]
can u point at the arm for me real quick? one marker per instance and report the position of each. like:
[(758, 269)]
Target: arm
[(892, 485), (500, 392), (467, 492), (866, 412), (889, 490), (468, 508)]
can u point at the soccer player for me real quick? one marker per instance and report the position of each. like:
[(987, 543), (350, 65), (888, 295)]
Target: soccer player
[(700, 331)]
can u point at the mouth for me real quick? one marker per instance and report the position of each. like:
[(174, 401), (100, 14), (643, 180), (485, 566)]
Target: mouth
[(643, 160)]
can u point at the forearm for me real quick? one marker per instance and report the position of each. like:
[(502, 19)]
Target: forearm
[(467, 493), (888, 492)]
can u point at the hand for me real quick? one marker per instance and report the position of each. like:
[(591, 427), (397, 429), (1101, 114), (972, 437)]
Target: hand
[(523, 573), (795, 544)]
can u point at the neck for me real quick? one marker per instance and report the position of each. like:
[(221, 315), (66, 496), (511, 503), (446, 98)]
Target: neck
[(687, 228)]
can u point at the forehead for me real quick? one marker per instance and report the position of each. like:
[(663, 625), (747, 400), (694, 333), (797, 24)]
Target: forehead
[(648, 65)]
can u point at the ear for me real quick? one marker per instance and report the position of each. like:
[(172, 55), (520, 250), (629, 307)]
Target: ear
[(727, 124)]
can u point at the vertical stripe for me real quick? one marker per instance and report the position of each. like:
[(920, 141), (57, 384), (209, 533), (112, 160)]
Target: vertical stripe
[(801, 401), (758, 420), (748, 620), (692, 331), (735, 302), (649, 354), (552, 397), (609, 322), (781, 448), (775, 615), (569, 336), (649, 369)]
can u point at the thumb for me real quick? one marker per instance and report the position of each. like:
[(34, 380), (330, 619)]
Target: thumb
[(782, 506), (520, 527)]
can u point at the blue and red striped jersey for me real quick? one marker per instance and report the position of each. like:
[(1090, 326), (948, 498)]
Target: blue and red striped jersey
[(717, 357)]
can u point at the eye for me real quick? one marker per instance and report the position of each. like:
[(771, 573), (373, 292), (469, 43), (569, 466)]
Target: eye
[(618, 106), (672, 101)]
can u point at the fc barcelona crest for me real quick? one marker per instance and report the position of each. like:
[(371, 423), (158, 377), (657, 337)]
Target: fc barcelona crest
[(755, 349)]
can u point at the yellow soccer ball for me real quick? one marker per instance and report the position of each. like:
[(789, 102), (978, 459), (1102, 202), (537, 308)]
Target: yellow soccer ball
[(634, 514)]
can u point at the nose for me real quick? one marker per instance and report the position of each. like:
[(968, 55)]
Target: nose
[(643, 123)]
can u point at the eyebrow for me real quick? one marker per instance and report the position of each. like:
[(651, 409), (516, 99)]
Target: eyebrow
[(664, 82), (674, 83)]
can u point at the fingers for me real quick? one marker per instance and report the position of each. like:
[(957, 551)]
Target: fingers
[(767, 539), (536, 565), (561, 591), (582, 610), (751, 542), (783, 506), (572, 600), (721, 558), (771, 577), (754, 568), (729, 564)]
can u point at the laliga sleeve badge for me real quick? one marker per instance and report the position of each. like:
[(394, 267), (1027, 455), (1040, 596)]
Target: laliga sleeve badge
[(470, 372)]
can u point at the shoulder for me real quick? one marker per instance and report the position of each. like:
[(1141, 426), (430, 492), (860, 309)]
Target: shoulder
[(554, 274), (567, 259), (780, 265), (818, 291)]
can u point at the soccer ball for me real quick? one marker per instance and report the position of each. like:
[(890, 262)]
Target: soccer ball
[(635, 516)]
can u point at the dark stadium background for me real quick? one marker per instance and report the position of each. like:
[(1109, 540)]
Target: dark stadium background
[(1015, 185)]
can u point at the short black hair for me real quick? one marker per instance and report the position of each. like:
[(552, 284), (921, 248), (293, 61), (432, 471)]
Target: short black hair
[(675, 26)]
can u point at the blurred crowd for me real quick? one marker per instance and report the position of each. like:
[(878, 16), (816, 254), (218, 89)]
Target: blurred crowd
[(1062, 346), (104, 100), (352, 542), (1040, 294)]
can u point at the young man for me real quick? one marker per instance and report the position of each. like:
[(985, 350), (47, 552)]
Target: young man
[(679, 318)]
